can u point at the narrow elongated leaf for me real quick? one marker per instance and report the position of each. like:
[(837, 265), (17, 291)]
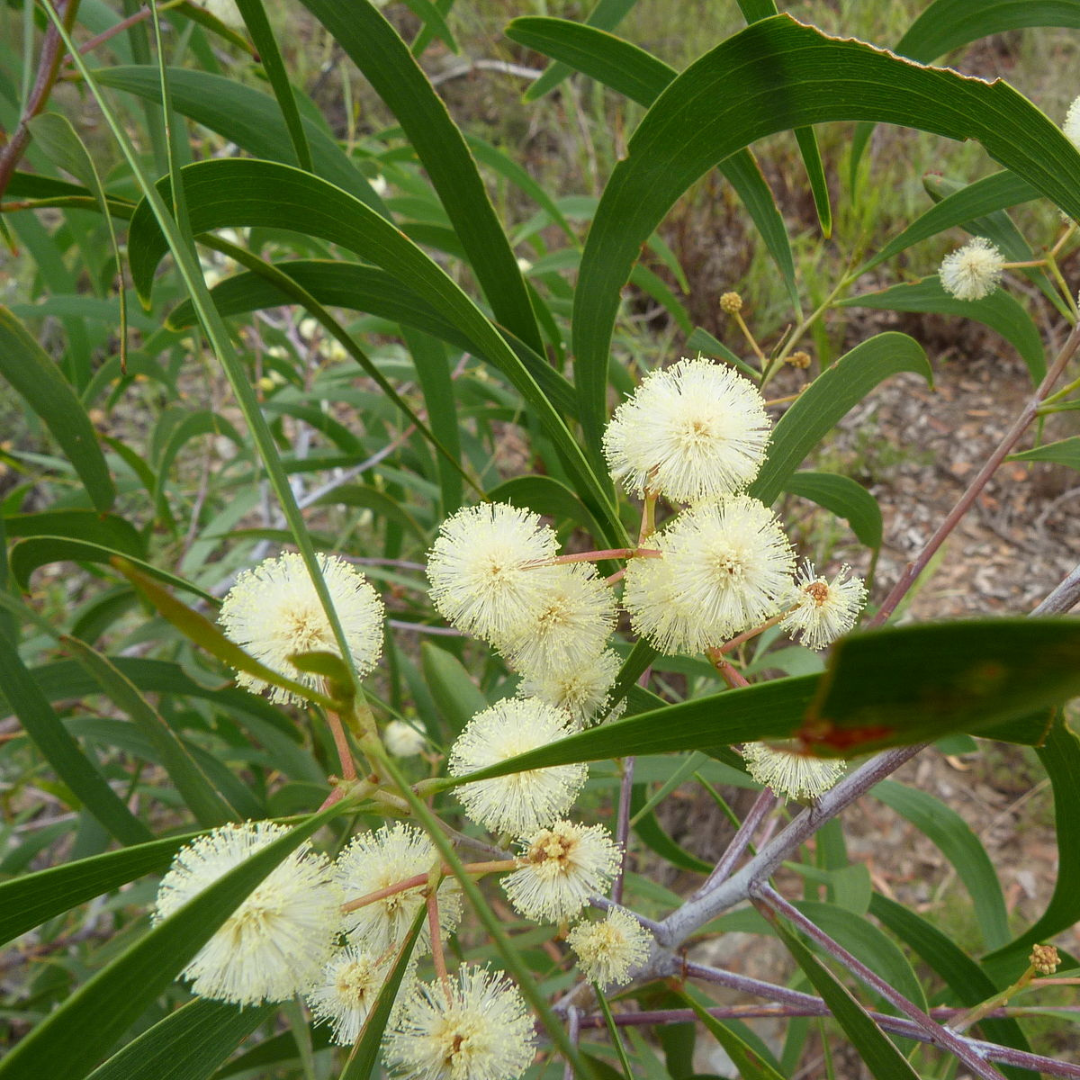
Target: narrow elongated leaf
[(928, 681), (730, 97), (108, 530), (36, 378), (828, 398), (548, 496), (235, 192), (375, 48), (456, 695), (641, 77), (36, 715), (1000, 311), (208, 806), (750, 1064), (1061, 758), (878, 1053), (964, 977), (960, 846), (845, 497), (187, 1045), (1062, 452), (651, 832), (28, 901), (73, 1038), (246, 117)]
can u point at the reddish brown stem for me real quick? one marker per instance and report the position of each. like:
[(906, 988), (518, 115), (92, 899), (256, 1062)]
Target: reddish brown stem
[(348, 766), (733, 678), (1012, 437)]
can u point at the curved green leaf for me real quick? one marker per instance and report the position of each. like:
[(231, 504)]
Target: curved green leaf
[(189, 1044), (750, 1064), (641, 77), (108, 530), (845, 497), (37, 379), (455, 694), (246, 117), (374, 500), (73, 1038), (35, 551), (201, 422), (774, 75), (830, 396), (547, 496), (1000, 311), (234, 192), (1062, 452), (375, 48), (26, 902)]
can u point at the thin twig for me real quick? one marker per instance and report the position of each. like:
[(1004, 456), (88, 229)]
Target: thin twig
[(622, 826), (765, 801)]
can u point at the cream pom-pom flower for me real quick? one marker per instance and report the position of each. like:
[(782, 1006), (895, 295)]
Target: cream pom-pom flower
[(724, 568), (973, 271), (610, 948), (569, 628), (824, 610), (275, 943), (378, 860), (1071, 127), (522, 802), (403, 740), (692, 431), (475, 1028), (273, 611), (484, 572), (785, 772), (351, 983), (584, 692), (562, 867)]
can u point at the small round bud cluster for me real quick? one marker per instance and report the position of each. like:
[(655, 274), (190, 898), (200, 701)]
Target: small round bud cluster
[(731, 303), (973, 271), (403, 740), (799, 360), (1044, 959)]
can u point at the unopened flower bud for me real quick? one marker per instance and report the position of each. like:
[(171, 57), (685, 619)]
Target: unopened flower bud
[(731, 303), (799, 359), (1044, 959)]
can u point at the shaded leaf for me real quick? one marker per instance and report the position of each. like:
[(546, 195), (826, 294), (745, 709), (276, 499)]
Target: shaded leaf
[(845, 497), (1062, 452)]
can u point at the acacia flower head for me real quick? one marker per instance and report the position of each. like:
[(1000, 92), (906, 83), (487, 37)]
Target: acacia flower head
[(568, 628), (350, 985), (378, 860), (824, 610), (276, 942), (476, 1029), (273, 612), (1071, 127), (522, 802), (563, 867), (973, 271), (584, 692), (403, 740), (483, 572), (787, 773), (610, 948), (692, 431), (724, 568)]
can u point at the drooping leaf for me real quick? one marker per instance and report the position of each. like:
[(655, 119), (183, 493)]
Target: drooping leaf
[(1062, 452), (1000, 311), (108, 530), (750, 1064), (730, 97), (845, 497), (456, 695), (37, 380)]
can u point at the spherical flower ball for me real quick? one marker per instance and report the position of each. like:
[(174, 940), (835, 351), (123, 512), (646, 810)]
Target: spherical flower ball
[(276, 942), (973, 271), (584, 692), (377, 860), (609, 949), (521, 802), (1071, 127), (725, 566), (273, 612), (824, 610), (569, 627), (484, 572), (563, 867), (403, 740), (351, 983), (693, 431), (478, 1028), (787, 773)]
